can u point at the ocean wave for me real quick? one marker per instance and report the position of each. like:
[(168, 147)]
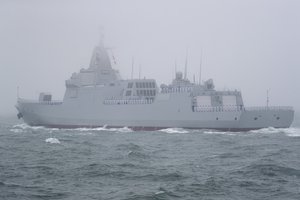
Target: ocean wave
[(270, 169), (26, 126), (15, 130), (137, 155), (94, 170), (292, 132), (129, 146), (122, 130), (268, 130), (174, 130), (159, 192), (19, 128), (161, 176), (52, 141), (87, 129), (220, 132)]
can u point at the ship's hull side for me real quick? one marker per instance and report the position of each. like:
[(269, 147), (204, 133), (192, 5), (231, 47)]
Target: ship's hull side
[(158, 115)]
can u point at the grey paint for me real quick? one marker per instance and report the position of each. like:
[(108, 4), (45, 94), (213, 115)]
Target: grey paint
[(97, 97)]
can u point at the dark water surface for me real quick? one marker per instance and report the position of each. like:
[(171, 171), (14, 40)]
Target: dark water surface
[(41, 163)]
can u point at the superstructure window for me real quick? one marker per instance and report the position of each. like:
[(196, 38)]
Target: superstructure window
[(130, 85), (128, 93)]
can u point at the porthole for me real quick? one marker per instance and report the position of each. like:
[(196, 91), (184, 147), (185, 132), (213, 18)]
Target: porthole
[(235, 118), (277, 118), (255, 118), (217, 118)]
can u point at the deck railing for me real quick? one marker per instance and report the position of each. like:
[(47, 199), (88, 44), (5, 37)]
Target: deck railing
[(263, 108), (127, 101), (239, 108), (53, 102), (217, 109)]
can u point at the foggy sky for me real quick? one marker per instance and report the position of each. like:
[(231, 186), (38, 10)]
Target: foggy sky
[(250, 45)]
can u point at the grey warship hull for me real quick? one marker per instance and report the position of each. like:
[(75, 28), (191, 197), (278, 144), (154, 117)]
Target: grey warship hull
[(97, 97), (158, 115)]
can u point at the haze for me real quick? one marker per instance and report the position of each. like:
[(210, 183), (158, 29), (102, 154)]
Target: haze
[(249, 45)]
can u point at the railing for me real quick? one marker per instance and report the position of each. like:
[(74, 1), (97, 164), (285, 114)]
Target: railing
[(127, 101), (54, 102), (239, 108), (264, 108), (218, 109)]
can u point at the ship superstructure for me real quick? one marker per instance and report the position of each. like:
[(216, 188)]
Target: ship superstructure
[(97, 96)]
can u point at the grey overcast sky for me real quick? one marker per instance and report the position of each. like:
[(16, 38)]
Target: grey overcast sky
[(249, 45)]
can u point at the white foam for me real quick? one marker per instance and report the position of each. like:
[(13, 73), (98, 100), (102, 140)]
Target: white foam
[(88, 129), (174, 130), (123, 130), (21, 126), (220, 132), (268, 130), (292, 132), (52, 141), (159, 192), (27, 127), (15, 130)]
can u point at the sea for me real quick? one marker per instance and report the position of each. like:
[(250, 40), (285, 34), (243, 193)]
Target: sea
[(174, 163)]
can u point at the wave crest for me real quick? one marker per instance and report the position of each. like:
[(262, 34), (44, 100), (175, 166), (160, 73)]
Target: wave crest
[(174, 130), (122, 130), (52, 141), (292, 132)]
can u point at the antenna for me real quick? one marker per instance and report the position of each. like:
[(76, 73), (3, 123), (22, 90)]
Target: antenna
[(175, 68), (140, 71), (18, 92), (113, 57), (101, 35), (132, 64), (268, 100), (186, 63), (200, 69)]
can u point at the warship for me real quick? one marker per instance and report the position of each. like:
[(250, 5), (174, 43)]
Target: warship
[(97, 97)]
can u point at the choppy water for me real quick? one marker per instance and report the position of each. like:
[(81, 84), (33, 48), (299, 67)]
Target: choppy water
[(41, 163)]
